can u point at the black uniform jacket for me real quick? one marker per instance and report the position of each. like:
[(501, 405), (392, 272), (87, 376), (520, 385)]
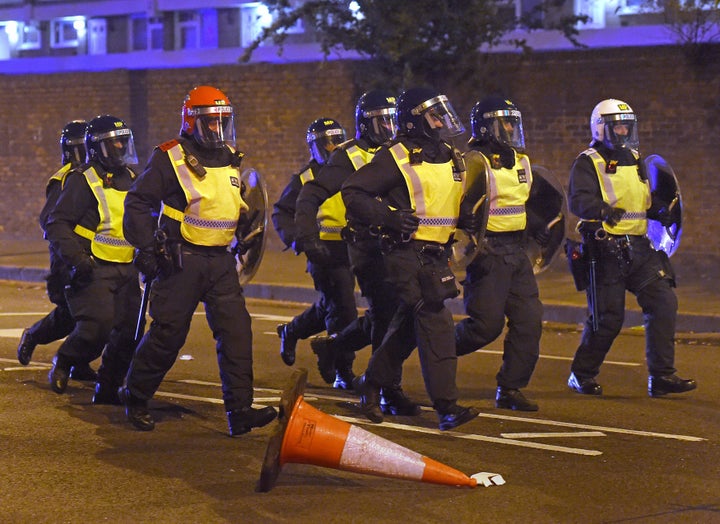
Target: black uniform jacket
[(328, 181), (584, 196), (382, 178), (159, 183), (75, 205), (283, 215)]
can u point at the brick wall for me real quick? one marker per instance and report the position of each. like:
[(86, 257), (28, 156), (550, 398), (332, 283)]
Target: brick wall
[(678, 105)]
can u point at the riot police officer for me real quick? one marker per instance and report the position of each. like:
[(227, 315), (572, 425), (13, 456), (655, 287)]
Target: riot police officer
[(85, 228), (409, 195), (193, 183), (59, 323), (374, 126), (610, 194), (327, 261), (499, 281)]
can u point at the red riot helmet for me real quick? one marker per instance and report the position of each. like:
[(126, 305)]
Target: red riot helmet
[(207, 116)]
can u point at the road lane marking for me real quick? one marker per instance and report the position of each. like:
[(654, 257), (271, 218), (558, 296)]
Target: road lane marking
[(595, 428), (540, 421), (555, 434), (11, 333), (472, 436)]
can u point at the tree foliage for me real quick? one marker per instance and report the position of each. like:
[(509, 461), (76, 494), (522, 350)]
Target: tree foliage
[(411, 41)]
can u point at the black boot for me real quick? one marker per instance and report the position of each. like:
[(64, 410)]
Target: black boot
[(369, 399), (83, 372), (136, 410), (323, 348), (106, 394), (26, 347), (288, 342), (508, 398), (586, 386), (662, 385), (344, 379), (59, 374), (393, 401), (241, 421), (456, 415)]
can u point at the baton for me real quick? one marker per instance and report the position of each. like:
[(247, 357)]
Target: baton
[(140, 326)]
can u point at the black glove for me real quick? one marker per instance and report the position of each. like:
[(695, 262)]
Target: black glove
[(82, 272), (664, 217), (147, 263), (470, 222), (404, 221), (316, 251), (659, 211), (611, 215), (542, 236)]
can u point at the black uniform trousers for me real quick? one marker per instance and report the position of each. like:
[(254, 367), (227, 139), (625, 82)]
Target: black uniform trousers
[(335, 307), (105, 313), (416, 323), (209, 276), (631, 263), (368, 265), (500, 285), (58, 323)]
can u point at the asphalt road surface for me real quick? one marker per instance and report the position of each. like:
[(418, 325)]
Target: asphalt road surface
[(622, 457)]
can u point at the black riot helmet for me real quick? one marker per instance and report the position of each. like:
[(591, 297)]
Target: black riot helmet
[(72, 142), (424, 112), (374, 117), (497, 119), (109, 142), (324, 135)]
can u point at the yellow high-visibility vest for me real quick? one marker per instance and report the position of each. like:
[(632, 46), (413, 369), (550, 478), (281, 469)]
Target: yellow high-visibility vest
[(214, 202), (107, 242), (435, 194)]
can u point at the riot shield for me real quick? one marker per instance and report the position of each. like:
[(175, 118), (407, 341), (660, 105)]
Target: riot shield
[(547, 210), (253, 233), (664, 184), (477, 185)]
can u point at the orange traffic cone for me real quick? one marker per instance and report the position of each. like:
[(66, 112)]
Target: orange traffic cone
[(306, 435)]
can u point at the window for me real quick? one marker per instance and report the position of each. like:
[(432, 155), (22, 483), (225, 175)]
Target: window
[(187, 30), (255, 17), (146, 33), (67, 32), (30, 36)]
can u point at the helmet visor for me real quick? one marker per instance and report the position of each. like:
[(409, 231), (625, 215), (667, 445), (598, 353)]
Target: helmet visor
[(621, 131), (507, 127), (382, 125), (214, 126), (323, 143), (74, 150), (117, 148), (440, 117)]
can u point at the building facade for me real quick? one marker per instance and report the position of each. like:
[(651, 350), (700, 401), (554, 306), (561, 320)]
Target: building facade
[(39, 36)]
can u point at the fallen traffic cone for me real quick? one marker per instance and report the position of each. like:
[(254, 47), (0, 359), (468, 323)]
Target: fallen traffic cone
[(306, 435)]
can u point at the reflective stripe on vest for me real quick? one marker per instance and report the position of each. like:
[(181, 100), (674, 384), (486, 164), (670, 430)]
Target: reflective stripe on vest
[(214, 203), (331, 213), (107, 241), (434, 195), (626, 190), (509, 190), (59, 175)]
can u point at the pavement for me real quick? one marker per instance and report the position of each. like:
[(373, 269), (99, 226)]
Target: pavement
[(282, 277)]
